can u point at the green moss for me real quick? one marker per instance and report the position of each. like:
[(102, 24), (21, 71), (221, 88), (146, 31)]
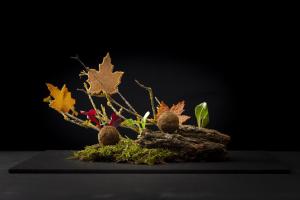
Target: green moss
[(125, 151)]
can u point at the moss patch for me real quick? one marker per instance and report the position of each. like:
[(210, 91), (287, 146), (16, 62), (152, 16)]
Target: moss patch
[(125, 151)]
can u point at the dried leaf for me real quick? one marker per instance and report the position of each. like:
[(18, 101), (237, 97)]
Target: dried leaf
[(178, 109), (62, 99), (104, 80), (183, 118), (161, 109)]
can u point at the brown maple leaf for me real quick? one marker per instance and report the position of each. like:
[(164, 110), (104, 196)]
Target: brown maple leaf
[(178, 109), (104, 80)]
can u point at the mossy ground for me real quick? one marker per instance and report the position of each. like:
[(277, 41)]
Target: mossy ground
[(126, 151)]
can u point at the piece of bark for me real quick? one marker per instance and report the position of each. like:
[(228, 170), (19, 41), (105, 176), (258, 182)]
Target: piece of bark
[(204, 133), (191, 143)]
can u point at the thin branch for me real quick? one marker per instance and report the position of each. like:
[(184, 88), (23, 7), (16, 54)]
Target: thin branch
[(109, 99), (92, 102), (109, 104), (76, 57), (149, 89), (92, 95), (82, 90), (83, 73), (71, 118), (127, 110), (126, 102)]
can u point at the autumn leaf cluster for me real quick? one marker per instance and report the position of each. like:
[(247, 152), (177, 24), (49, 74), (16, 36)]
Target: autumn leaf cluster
[(104, 82)]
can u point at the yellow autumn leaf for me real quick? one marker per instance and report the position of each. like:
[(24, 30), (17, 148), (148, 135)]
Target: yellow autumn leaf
[(62, 100)]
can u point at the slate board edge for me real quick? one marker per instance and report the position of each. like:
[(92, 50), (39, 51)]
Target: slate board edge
[(17, 170)]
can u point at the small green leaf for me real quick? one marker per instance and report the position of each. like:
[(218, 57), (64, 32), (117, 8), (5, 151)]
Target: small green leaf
[(129, 123), (138, 124), (201, 112), (134, 124)]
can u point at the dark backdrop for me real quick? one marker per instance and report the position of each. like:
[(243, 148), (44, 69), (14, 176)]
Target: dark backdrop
[(246, 79)]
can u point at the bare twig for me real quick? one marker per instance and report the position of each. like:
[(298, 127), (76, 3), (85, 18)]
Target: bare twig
[(127, 110), (92, 95), (92, 102), (110, 100), (71, 118), (126, 102), (109, 104), (149, 89), (76, 57), (82, 90), (83, 73)]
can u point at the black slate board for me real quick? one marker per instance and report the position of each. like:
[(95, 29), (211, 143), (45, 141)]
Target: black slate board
[(241, 162)]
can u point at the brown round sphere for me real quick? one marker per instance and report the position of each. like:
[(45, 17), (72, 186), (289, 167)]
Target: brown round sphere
[(168, 122), (108, 135)]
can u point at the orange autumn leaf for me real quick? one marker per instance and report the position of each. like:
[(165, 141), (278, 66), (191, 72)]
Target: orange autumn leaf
[(161, 109), (178, 109), (104, 80), (62, 100)]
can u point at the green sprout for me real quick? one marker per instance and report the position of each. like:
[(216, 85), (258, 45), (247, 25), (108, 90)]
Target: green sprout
[(201, 112), (139, 124)]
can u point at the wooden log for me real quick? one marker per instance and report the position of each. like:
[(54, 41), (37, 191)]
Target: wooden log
[(204, 133), (191, 143)]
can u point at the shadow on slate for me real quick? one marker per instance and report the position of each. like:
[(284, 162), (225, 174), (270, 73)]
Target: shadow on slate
[(240, 162)]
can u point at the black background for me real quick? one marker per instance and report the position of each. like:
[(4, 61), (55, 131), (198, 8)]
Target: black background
[(245, 75)]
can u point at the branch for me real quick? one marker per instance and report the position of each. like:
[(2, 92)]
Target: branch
[(92, 95), (127, 103), (149, 89), (109, 104), (127, 110), (82, 90), (78, 121), (76, 57), (112, 101), (92, 102)]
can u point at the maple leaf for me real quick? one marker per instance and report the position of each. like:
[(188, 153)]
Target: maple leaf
[(178, 109), (161, 109), (62, 100), (104, 80)]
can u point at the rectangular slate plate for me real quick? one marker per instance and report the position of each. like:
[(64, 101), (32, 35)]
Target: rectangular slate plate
[(241, 162)]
